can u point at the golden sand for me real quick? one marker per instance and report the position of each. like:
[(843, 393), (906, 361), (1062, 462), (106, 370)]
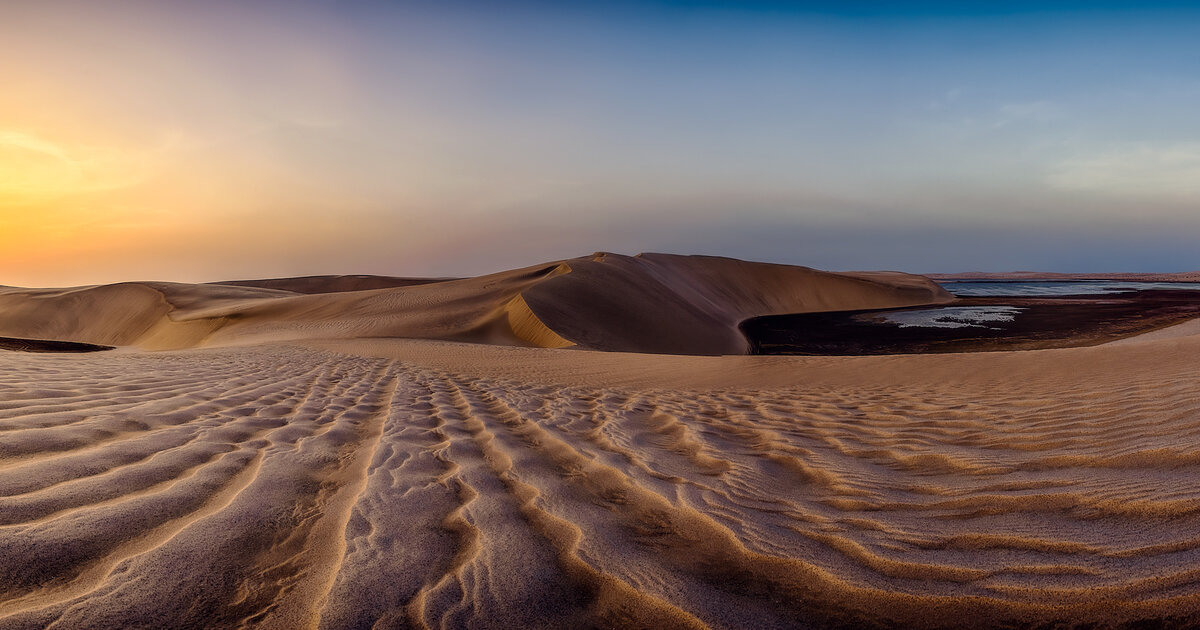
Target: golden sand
[(391, 483)]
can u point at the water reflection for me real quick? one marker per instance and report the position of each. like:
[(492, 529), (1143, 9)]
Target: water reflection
[(946, 317)]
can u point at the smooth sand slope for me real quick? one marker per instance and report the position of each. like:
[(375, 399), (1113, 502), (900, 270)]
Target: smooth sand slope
[(645, 303)]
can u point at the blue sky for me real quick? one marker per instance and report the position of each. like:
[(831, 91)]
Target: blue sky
[(456, 138)]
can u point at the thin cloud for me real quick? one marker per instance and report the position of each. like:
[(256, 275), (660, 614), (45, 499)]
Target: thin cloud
[(1143, 169), (34, 169), (1033, 111)]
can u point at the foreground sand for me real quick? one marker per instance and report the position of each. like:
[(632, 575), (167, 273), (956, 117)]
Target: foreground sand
[(387, 483)]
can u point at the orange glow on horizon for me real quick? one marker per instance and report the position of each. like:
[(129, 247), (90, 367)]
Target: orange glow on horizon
[(200, 141)]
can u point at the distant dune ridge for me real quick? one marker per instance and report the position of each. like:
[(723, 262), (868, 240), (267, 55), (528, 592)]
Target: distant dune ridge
[(1183, 276), (332, 284), (657, 303)]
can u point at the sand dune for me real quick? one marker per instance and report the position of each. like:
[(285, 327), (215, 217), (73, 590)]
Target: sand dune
[(693, 304), (319, 470), (647, 303), (450, 485)]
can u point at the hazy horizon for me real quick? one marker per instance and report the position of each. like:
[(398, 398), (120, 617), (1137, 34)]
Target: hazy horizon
[(215, 141)]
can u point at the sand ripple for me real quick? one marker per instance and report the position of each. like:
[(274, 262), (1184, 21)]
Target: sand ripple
[(288, 488)]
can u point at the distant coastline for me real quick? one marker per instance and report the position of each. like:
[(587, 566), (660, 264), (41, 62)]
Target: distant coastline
[(1186, 276)]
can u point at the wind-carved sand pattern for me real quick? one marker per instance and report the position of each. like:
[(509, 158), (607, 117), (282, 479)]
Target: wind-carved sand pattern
[(294, 488)]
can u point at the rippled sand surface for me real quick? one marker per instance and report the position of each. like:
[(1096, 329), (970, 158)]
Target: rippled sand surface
[(293, 487)]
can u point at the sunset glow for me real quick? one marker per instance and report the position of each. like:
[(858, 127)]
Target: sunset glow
[(201, 141), (696, 314)]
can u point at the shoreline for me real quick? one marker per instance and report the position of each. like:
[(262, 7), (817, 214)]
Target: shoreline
[(1067, 321)]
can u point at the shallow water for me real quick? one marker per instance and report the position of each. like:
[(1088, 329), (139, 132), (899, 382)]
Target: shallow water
[(1057, 287), (946, 317)]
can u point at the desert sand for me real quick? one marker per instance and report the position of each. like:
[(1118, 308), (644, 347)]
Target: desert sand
[(253, 457), (646, 303)]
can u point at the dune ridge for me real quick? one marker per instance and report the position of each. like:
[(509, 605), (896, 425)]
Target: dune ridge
[(672, 304), (646, 303), (331, 284)]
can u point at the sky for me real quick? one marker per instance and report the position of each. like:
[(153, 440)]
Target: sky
[(211, 140)]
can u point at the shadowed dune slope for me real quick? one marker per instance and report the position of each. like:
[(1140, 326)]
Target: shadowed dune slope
[(648, 303), (116, 314), (670, 304), (129, 313)]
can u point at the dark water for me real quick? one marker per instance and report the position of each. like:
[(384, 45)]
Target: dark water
[(944, 317), (991, 316), (41, 345)]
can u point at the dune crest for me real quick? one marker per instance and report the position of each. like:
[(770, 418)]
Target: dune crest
[(115, 314), (655, 303), (332, 284), (670, 304)]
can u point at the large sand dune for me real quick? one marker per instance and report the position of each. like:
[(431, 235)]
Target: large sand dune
[(692, 304), (308, 475), (646, 303)]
